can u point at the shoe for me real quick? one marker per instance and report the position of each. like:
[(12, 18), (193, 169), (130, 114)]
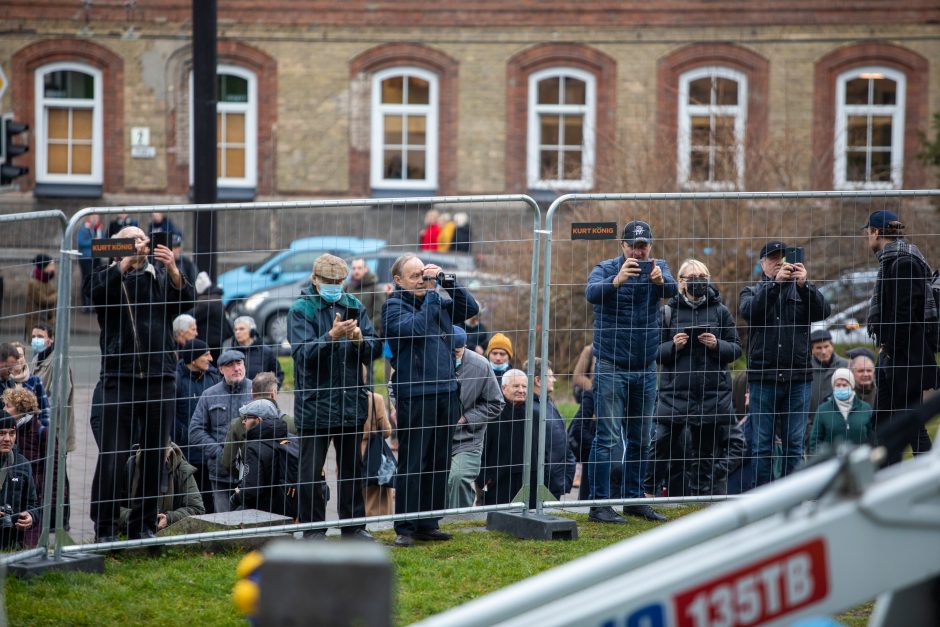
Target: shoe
[(404, 541), (104, 539), (315, 534), (644, 511), (146, 534), (359, 534), (605, 515), (432, 535)]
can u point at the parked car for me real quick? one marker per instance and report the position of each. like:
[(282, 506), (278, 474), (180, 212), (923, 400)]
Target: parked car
[(849, 296), (288, 266)]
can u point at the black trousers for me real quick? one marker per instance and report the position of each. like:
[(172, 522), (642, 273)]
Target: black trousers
[(898, 392), (425, 431), (314, 445), (144, 407), (684, 457)]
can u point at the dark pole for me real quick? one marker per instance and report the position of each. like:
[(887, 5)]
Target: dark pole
[(204, 132)]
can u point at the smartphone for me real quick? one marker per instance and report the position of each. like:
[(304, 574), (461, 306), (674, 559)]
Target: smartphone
[(646, 266), (793, 254), (160, 238), (694, 332)]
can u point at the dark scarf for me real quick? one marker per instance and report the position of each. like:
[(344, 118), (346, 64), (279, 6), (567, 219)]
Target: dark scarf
[(42, 277), (890, 253)]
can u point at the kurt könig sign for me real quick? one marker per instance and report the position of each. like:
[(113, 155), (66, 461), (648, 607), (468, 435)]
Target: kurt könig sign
[(119, 247), (594, 230)]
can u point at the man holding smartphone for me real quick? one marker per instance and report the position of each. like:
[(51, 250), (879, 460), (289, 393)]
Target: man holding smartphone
[(625, 292), (779, 310)]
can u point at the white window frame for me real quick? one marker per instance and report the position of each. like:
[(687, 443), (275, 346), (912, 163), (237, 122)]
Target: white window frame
[(250, 110), (378, 112), (534, 134), (687, 111), (896, 111), (42, 124)]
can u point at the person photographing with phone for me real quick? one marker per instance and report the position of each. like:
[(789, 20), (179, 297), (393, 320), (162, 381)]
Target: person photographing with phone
[(779, 310), (625, 292)]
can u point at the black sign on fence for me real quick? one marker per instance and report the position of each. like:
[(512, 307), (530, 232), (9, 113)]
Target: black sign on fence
[(594, 230), (120, 247)]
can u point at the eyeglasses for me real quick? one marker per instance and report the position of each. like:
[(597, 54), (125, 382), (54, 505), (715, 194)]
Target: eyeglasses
[(694, 276)]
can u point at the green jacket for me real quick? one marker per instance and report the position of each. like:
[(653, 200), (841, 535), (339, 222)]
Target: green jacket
[(182, 497), (830, 427)]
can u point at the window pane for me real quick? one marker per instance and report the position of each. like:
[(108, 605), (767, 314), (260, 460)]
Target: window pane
[(881, 166), (81, 159), (700, 91), (393, 129), (575, 92), (235, 128), (549, 129), (724, 166), (393, 90), (881, 131), (219, 165), (235, 163), (218, 125), (548, 164), (232, 88), (548, 90), (572, 165), (701, 130), (392, 164), (698, 166), (58, 123), (726, 91), (417, 130), (858, 131), (574, 130), (724, 131), (58, 159), (81, 124), (855, 166), (419, 91), (416, 169), (856, 91), (68, 84), (884, 92)]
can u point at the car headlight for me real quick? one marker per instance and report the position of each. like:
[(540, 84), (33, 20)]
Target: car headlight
[(254, 301)]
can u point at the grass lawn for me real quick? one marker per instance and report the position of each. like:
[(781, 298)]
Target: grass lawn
[(185, 584)]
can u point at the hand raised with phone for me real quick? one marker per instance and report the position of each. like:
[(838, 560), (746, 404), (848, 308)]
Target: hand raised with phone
[(345, 329)]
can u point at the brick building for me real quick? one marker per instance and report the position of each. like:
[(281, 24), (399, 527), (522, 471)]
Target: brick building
[(356, 98)]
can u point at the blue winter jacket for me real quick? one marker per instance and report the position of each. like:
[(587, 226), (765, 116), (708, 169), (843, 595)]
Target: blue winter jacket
[(419, 333), (189, 387), (626, 318)]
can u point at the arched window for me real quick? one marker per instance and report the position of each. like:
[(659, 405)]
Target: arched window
[(404, 129), (869, 133), (560, 151), (711, 126), (236, 128), (68, 118)]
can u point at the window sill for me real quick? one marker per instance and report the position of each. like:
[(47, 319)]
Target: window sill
[(231, 194), (68, 190)]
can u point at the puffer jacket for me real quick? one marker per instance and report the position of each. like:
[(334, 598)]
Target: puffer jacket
[(779, 318), (419, 333), (135, 312), (695, 383), (189, 387), (214, 411), (329, 389), (626, 318)]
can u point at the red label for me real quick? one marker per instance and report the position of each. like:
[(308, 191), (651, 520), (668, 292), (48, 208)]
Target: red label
[(760, 592)]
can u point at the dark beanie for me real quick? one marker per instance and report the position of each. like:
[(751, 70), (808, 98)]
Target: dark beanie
[(6, 420), (41, 260), (193, 350)]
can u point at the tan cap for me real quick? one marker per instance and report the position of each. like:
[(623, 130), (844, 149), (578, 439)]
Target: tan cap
[(331, 267)]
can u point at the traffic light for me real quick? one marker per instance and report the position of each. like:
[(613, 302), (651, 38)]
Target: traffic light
[(11, 150)]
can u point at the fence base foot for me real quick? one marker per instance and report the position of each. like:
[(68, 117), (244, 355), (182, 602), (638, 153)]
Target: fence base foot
[(71, 562), (532, 526)]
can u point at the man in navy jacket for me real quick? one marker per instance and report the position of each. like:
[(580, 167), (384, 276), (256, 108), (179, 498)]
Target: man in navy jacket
[(419, 322), (625, 292)]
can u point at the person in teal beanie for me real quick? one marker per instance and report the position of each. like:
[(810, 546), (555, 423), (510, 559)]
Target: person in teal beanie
[(843, 417)]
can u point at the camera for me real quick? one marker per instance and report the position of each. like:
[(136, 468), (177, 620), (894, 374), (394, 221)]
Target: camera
[(447, 280), (9, 518)]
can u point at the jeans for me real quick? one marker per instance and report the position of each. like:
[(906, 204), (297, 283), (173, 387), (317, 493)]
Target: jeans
[(624, 405), (783, 403), (464, 468)]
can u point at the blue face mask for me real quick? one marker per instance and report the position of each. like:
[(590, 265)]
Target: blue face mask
[(330, 293), (842, 394), (38, 344), (457, 363), (499, 368)]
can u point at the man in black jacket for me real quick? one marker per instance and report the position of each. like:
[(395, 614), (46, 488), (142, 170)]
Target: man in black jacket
[(264, 485), (779, 310), (17, 489), (897, 320), (136, 302), (332, 342)]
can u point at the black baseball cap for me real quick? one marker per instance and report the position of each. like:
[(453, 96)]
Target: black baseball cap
[(771, 247), (637, 231)]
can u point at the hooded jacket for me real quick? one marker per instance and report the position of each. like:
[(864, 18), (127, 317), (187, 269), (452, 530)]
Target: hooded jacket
[(214, 411), (189, 387), (329, 389), (418, 331), (180, 497), (626, 318), (695, 383), (262, 486), (779, 318), (481, 401)]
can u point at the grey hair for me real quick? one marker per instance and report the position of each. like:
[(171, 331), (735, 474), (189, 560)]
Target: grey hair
[(509, 374), (182, 322), (246, 320), (400, 263)]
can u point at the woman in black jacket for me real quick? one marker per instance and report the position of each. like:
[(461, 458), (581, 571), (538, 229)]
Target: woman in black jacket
[(699, 342), (258, 357)]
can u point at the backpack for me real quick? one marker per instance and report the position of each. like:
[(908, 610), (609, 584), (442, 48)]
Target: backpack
[(287, 474)]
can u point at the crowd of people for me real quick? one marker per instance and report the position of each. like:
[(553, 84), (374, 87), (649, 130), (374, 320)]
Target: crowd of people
[(187, 421)]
